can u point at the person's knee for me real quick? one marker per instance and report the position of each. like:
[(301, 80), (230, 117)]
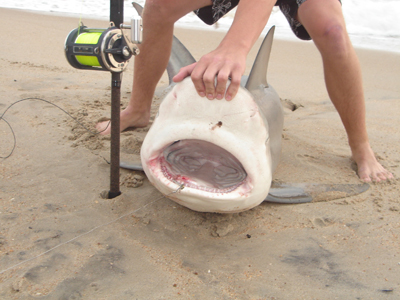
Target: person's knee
[(333, 37), (161, 11)]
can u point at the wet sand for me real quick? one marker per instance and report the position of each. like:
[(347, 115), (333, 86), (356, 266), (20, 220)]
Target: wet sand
[(59, 239)]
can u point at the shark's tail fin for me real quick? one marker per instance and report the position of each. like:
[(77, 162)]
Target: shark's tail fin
[(138, 8)]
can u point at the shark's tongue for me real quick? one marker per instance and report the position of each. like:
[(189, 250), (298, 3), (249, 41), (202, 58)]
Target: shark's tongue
[(202, 165)]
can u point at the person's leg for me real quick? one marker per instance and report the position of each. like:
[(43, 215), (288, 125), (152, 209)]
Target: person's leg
[(323, 19), (159, 17)]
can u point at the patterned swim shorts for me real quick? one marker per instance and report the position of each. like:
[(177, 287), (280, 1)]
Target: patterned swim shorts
[(212, 13)]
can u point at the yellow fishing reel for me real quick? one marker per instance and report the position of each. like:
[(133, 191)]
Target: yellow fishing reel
[(103, 49)]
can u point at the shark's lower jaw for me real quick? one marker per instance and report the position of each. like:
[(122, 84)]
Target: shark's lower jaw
[(202, 166)]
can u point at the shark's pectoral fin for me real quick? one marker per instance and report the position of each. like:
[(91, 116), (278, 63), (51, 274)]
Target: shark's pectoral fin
[(258, 73), (316, 192), (180, 57), (134, 166)]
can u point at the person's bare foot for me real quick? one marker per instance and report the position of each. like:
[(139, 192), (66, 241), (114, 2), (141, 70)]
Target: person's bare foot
[(129, 118), (369, 169)]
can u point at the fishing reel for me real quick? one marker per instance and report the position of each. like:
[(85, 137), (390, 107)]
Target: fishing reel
[(103, 49)]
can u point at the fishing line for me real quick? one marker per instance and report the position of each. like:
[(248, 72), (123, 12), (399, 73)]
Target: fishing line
[(80, 18), (40, 99), (91, 230)]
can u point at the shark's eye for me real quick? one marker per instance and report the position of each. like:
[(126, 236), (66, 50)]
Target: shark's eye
[(202, 165)]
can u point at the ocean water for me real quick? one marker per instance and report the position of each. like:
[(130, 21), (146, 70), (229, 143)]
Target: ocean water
[(371, 24)]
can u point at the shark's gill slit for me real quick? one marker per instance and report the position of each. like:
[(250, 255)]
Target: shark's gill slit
[(202, 165)]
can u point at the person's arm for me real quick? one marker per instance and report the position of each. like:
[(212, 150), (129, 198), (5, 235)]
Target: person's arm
[(229, 59)]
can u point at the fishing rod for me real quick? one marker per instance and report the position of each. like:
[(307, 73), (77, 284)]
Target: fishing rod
[(107, 49)]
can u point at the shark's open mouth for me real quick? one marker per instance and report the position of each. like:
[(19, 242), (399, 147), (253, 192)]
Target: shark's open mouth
[(202, 165)]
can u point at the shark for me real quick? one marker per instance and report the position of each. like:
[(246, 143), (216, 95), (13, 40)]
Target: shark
[(217, 155)]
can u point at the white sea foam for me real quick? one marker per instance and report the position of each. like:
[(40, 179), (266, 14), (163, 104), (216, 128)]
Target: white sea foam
[(371, 23)]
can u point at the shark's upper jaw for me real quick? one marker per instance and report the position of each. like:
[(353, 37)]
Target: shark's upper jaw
[(201, 165)]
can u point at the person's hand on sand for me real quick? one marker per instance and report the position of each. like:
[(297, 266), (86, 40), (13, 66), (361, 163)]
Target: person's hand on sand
[(222, 64)]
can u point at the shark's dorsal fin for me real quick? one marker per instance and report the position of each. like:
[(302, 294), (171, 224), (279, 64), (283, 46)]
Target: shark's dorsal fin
[(180, 56), (258, 73)]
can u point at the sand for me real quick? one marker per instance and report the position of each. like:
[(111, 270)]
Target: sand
[(59, 239)]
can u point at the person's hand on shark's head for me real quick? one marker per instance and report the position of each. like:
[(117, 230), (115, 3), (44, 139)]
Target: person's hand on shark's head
[(220, 64)]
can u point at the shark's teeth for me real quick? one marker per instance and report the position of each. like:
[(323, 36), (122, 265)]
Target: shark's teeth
[(179, 180)]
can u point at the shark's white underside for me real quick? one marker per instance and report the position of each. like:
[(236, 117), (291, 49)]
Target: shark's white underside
[(236, 126)]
